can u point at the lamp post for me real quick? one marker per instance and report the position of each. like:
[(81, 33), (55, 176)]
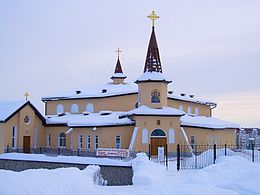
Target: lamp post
[(94, 137)]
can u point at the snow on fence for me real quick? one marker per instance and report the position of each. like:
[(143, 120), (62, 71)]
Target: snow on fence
[(101, 152), (205, 155)]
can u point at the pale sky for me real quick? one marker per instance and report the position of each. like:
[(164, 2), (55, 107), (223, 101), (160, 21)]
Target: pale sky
[(208, 48)]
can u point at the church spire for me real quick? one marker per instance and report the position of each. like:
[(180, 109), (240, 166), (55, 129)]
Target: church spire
[(153, 62), (118, 68), (118, 76)]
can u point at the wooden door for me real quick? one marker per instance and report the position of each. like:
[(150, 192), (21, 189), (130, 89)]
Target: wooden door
[(26, 144), (158, 142)]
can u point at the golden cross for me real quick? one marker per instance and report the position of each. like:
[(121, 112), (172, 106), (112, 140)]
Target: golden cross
[(118, 52), (26, 95), (153, 17)]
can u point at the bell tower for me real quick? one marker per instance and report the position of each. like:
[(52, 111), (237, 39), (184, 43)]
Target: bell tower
[(152, 85), (118, 77)]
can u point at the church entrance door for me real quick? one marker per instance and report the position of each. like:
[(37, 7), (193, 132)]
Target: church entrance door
[(158, 139), (26, 144)]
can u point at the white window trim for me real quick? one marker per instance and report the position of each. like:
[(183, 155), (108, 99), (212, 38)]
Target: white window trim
[(90, 107), (74, 108), (88, 142), (35, 132), (59, 109), (80, 141), (145, 136), (48, 140), (14, 137), (119, 142), (171, 136)]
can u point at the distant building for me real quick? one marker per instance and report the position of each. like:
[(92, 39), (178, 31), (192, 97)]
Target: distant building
[(248, 136)]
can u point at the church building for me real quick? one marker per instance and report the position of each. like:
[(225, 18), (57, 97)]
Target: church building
[(141, 116)]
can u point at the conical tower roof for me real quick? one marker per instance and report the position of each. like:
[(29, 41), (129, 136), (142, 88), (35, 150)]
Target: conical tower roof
[(118, 73), (152, 67), (153, 62), (118, 68)]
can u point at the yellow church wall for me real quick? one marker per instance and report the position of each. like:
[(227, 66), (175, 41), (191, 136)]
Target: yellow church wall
[(8, 129), (106, 136), (118, 80), (204, 110), (150, 123), (206, 136), (2, 138), (145, 90), (115, 103), (22, 129)]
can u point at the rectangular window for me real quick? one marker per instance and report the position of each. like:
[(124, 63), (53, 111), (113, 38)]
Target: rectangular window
[(35, 137), (118, 142), (14, 137), (88, 142), (49, 140), (80, 143), (158, 122), (96, 142), (192, 141)]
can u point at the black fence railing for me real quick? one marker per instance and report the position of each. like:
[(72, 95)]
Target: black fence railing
[(199, 156), (187, 157), (49, 151)]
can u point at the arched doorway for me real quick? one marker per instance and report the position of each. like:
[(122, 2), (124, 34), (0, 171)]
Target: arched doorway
[(158, 139)]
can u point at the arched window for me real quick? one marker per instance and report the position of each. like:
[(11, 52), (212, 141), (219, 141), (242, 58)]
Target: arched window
[(181, 108), (145, 136), (74, 108), (62, 140), (189, 110), (59, 109), (90, 107), (158, 132), (155, 96), (197, 111), (171, 136)]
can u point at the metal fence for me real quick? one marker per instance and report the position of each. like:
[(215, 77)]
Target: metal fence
[(49, 151), (199, 156)]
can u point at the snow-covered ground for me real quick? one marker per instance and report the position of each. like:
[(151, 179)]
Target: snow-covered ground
[(65, 159), (230, 175)]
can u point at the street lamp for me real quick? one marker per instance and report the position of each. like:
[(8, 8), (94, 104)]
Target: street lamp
[(94, 135)]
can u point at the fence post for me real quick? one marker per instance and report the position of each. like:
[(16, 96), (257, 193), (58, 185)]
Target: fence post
[(40, 150), (253, 153), (78, 152), (178, 157), (58, 151), (196, 158), (225, 149), (215, 153), (166, 151), (149, 151)]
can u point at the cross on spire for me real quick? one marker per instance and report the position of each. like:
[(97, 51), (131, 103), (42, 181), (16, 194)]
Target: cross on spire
[(153, 17), (118, 52), (26, 95)]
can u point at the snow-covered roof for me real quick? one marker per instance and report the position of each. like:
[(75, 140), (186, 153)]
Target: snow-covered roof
[(90, 120), (119, 75), (100, 91), (147, 111), (110, 89), (8, 108), (152, 76), (206, 122), (191, 98)]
